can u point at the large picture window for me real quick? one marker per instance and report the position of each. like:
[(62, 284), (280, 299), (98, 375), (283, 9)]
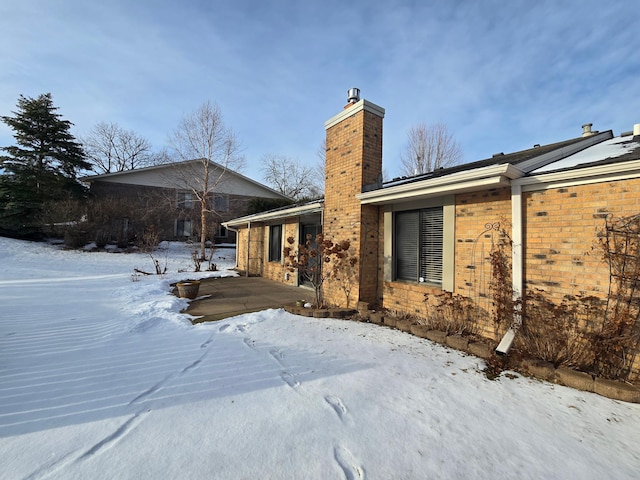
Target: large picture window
[(418, 245), (275, 243)]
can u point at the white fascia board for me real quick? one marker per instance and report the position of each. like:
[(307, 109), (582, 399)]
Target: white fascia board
[(436, 191), (363, 104), (275, 215), (582, 176), (468, 180), (560, 153)]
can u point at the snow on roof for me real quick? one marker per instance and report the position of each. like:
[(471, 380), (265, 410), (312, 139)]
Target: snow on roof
[(612, 148)]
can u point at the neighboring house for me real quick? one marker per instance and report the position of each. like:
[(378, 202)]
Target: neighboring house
[(433, 233), (161, 195)]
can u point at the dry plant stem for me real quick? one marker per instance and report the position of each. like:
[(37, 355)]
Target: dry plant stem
[(318, 259)]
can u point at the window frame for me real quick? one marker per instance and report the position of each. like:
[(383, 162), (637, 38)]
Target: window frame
[(418, 247), (274, 252), (180, 229), (185, 199)]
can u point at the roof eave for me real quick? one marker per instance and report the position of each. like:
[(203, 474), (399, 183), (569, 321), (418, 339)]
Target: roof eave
[(576, 176), (494, 176), (315, 207)]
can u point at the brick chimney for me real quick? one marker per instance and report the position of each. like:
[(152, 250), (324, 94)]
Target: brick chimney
[(354, 161)]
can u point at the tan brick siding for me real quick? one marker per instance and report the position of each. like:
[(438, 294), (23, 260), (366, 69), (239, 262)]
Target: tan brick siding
[(354, 159), (276, 270), (475, 214), (560, 234)]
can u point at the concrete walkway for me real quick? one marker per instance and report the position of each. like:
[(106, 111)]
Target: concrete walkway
[(230, 296)]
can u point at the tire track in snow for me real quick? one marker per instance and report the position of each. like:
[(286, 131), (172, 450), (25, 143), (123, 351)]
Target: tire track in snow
[(54, 468), (192, 366), (110, 440)]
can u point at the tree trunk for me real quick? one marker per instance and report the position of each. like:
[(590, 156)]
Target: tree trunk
[(203, 228)]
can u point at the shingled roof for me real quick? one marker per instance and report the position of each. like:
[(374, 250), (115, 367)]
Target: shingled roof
[(514, 158)]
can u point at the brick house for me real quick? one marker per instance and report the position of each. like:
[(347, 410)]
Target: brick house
[(432, 233), (161, 195)]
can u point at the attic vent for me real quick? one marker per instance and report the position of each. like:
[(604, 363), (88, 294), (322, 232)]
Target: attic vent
[(537, 145), (498, 154), (353, 95)]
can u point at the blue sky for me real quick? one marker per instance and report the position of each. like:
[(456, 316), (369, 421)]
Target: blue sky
[(503, 75)]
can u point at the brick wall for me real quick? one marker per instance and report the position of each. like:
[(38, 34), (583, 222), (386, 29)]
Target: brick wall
[(561, 231), (353, 159), (480, 219), (276, 270), (476, 214)]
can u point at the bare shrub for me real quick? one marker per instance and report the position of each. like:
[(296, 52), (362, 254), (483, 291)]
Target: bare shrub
[(452, 314), (149, 240), (311, 257), (197, 260), (560, 333)]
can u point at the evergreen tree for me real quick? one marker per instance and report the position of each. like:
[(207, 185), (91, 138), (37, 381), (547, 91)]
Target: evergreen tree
[(41, 168)]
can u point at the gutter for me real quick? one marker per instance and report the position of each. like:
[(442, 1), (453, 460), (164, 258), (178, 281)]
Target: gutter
[(277, 214), (248, 247)]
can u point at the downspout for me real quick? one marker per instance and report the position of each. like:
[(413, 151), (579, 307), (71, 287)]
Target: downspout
[(236, 232), (517, 277), (248, 247)]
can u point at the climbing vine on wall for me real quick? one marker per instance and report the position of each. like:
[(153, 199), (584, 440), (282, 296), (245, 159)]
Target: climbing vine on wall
[(618, 339)]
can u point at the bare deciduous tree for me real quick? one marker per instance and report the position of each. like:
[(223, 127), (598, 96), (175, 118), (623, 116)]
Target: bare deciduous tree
[(202, 137), (289, 177), (111, 148), (429, 148)]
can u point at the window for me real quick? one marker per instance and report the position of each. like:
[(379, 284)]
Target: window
[(220, 231), (275, 243), (418, 245), (220, 203), (183, 228), (185, 199)]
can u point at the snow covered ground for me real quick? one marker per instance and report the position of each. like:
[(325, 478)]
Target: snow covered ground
[(102, 377)]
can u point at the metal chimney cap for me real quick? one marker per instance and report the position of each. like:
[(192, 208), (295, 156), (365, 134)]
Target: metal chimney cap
[(586, 130), (353, 95)]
